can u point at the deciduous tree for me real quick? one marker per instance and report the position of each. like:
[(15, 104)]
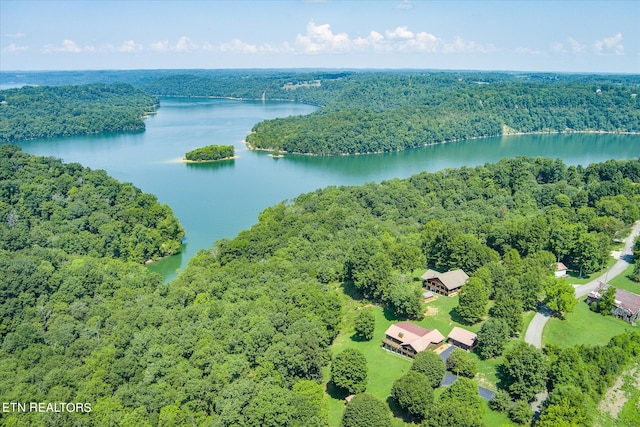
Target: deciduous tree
[(524, 371), (431, 365), (473, 300), (365, 410), (365, 324), (413, 393), (349, 370)]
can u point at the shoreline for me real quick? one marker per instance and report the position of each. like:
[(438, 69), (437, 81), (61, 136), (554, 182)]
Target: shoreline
[(507, 134), (183, 160)]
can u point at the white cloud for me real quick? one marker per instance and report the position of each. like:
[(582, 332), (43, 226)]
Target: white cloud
[(320, 38), (529, 51), (162, 46), (399, 33), (609, 45), (461, 46), (572, 45), (12, 48), (557, 47), (238, 46), (15, 35), (576, 47), (68, 46), (184, 44), (405, 4), (128, 46)]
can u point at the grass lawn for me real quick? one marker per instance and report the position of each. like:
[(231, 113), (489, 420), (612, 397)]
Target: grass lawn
[(583, 326), (623, 282), (385, 368)]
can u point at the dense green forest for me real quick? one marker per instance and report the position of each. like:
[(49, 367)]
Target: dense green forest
[(49, 111), (383, 113), (210, 152), (242, 336), (365, 112), (361, 112)]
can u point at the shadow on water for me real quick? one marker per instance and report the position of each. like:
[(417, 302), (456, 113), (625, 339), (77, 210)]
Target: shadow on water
[(212, 166)]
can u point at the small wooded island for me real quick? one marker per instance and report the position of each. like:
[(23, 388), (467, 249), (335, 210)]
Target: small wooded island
[(210, 153)]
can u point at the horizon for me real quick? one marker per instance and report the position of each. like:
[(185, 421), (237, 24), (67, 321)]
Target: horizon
[(590, 37)]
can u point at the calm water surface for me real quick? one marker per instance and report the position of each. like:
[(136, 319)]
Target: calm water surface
[(217, 200)]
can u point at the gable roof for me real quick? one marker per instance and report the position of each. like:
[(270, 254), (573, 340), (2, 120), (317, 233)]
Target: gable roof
[(463, 336), (628, 300), (561, 267), (624, 299), (416, 336), (451, 279)]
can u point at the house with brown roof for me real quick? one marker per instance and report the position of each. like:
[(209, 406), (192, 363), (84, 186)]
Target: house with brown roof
[(462, 338), (627, 304), (408, 339), (448, 283)]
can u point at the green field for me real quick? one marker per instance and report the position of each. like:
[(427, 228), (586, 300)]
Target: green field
[(385, 367), (583, 326), (624, 282)]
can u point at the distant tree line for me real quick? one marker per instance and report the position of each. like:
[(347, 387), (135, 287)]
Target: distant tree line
[(210, 152), (50, 111), (384, 113), (361, 112)]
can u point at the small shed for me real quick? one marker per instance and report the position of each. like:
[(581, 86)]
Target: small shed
[(561, 270), (462, 338)]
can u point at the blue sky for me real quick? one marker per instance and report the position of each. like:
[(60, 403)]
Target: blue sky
[(566, 36)]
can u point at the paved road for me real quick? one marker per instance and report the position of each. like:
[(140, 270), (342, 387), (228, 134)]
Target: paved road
[(534, 331), (449, 378)]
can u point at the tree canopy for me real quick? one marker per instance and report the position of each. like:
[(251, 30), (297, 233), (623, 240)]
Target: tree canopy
[(229, 341), (72, 110), (349, 370), (210, 152)]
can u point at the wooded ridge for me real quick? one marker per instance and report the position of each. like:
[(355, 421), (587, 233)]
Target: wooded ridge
[(242, 336), (50, 111)]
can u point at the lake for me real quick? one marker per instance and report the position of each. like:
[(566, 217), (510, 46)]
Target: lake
[(216, 200)]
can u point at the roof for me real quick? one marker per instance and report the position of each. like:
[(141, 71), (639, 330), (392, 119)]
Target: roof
[(427, 294), (624, 299), (451, 279), (416, 336), (560, 266), (463, 336), (628, 300)]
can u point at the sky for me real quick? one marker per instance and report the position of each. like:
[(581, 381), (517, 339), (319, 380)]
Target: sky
[(518, 35)]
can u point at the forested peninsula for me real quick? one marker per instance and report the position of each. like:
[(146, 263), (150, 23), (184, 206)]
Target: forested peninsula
[(374, 112), (245, 335), (392, 112), (32, 112)]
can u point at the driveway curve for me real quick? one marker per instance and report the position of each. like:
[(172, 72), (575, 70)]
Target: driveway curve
[(534, 331)]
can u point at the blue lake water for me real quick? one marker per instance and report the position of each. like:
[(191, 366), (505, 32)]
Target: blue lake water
[(216, 200)]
